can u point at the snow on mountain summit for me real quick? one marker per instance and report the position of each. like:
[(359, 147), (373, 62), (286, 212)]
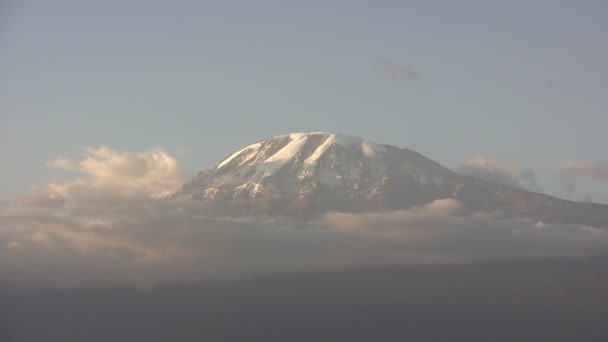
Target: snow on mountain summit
[(264, 158), (262, 152), (310, 172)]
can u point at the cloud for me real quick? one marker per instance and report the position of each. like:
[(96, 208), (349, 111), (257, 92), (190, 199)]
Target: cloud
[(570, 189), (153, 171), (492, 170), (398, 72), (93, 233), (581, 169), (153, 241)]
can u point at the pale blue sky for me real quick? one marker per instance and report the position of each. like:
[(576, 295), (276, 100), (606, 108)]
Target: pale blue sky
[(526, 81)]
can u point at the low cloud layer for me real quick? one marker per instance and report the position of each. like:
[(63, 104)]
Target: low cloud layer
[(580, 169), (93, 233), (493, 170)]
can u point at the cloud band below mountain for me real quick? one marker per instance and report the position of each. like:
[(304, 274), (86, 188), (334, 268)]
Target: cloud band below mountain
[(92, 233)]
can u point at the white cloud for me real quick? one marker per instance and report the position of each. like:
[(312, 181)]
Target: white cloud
[(13, 245), (490, 163), (154, 171), (580, 169), (491, 169)]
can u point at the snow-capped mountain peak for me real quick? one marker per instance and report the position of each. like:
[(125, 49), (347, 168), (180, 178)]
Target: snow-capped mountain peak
[(306, 174), (263, 151), (264, 158)]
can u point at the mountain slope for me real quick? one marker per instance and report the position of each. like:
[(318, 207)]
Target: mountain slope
[(306, 174)]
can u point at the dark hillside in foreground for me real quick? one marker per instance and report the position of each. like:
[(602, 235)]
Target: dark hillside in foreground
[(527, 300)]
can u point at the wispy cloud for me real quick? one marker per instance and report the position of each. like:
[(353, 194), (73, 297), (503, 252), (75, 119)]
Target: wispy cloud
[(489, 168), (398, 72), (581, 169)]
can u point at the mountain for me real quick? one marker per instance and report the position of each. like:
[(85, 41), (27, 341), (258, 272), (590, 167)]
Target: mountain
[(525, 300), (307, 174)]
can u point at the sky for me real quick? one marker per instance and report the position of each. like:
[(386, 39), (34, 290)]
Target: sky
[(516, 88)]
